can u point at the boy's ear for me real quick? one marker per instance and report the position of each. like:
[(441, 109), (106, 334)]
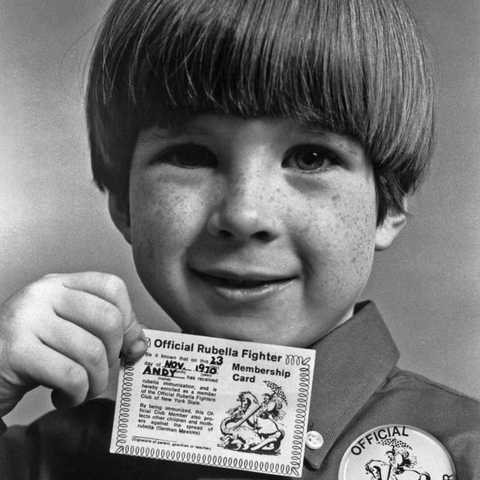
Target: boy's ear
[(120, 214), (390, 227)]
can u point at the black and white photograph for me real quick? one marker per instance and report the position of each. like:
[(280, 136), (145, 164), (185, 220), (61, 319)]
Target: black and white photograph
[(293, 173)]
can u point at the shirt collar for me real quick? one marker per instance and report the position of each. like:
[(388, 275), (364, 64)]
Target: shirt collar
[(352, 361)]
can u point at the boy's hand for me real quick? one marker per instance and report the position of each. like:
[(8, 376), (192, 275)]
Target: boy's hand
[(64, 332)]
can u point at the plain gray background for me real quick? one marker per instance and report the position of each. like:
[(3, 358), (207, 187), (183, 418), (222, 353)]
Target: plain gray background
[(53, 220)]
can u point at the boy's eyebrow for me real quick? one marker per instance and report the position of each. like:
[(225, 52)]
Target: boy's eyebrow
[(178, 129), (159, 133), (313, 129)]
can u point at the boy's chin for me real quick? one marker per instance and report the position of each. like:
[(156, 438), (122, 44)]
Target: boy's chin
[(282, 323), (258, 334)]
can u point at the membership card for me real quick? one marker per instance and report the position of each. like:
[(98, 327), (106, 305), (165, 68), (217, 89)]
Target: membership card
[(215, 402)]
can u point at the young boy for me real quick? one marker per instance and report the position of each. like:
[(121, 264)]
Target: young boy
[(256, 154)]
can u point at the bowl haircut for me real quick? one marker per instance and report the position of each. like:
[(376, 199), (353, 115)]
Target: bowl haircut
[(353, 67)]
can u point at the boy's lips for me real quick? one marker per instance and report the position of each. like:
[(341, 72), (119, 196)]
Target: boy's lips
[(244, 286)]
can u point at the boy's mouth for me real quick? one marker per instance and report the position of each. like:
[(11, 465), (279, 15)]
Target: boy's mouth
[(243, 285), (236, 283)]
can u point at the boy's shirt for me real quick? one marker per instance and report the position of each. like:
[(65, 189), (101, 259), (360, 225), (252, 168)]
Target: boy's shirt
[(357, 387)]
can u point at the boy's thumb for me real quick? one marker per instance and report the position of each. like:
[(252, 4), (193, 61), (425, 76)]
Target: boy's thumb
[(134, 340)]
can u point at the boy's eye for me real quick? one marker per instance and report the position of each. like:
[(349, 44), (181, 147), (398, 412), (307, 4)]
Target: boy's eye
[(310, 158), (187, 156)]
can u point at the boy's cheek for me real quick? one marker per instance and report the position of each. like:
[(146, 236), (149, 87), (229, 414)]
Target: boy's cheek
[(162, 210), (346, 219), (343, 238)]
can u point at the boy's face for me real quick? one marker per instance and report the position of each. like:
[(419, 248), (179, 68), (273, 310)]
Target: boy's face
[(261, 230)]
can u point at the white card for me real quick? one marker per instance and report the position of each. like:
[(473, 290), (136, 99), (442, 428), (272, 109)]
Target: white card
[(215, 402)]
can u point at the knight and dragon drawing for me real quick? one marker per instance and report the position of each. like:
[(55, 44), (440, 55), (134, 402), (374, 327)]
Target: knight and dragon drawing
[(254, 425)]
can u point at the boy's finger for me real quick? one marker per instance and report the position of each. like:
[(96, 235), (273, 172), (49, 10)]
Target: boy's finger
[(113, 289), (51, 369), (109, 287), (83, 348), (94, 314)]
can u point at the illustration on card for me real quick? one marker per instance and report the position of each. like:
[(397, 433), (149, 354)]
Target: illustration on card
[(253, 425), (400, 464)]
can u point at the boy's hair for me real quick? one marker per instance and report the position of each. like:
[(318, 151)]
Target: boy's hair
[(353, 67)]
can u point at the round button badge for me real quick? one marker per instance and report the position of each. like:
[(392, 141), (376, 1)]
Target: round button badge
[(314, 441), (396, 452)]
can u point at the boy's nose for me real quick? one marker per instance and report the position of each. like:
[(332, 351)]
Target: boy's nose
[(246, 210)]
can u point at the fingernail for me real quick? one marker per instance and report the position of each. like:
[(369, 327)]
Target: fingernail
[(137, 348)]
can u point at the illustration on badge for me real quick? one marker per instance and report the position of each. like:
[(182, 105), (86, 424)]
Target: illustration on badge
[(254, 426), (401, 463)]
